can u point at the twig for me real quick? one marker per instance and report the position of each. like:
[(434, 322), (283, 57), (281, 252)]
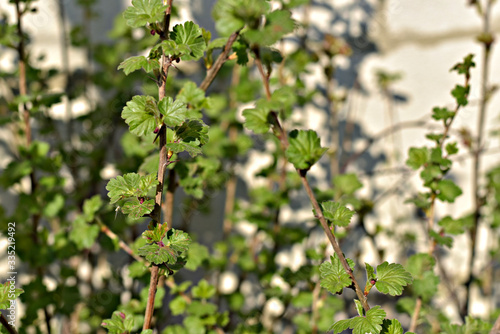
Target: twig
[(105, 229), (212, 73), (7, 326), (333, 241), (166, 62), (496, 327), (478, 202), (414, 317)]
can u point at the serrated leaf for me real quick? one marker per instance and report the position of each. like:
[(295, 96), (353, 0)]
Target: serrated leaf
[(177, 240), (336, 213), (189, 34), (452, 226), (141, 114), (391, 326), (132, 64), (191, 95), (442, 113), (130, 185), (448, 191), (451, 148), (347, 183), (120, 322), (91, 206), (417, 156), (391, 278), (256, 120), (136, 210), (82, 234), (334, 278), (426, 287), (174, 112), (460, 93), (155, 233), (278, 24), (156, 254), (304, 149), (144, 11), (193, 131), (181, 147), (441, 240), (371, 323), (203, 290), (6, 294)]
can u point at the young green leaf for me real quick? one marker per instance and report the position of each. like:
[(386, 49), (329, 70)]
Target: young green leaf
[(203, 290), (193, 132), (391, 278), (460, 93), (174, 112), (334, 278), (278, 24), (448, 191), (441, 240), (417, 157), (304, 149), (391, 326), (191, 95), (137, 209), (347, 183), (442, 114), (141, 114), (189, 34), (371, 323), (120, 322), (5, 295), (123, 187), (336, 213), (83, 234), (143, 12), (157, 255), (132, 64), (177, 240), (256, 119)]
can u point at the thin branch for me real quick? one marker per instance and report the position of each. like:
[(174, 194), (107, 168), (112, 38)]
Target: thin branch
[(164, 159), (333, 241), (212, 73), (105, 229), (6, 324), (414, 317), (496, 327), (478, 201)]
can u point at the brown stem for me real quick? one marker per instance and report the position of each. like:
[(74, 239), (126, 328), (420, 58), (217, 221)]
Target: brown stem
[(212, 73), (6, 324), (164, 160), (496, 327), (333, 241), (477, 156), (414, 317)]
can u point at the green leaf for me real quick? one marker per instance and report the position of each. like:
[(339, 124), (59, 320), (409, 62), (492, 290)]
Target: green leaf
[(143, 12), (120, 322), (189, 34), (177, 240), (371, 323), (465, 66), (196, 255), (452, 226), (132, 64), (194, 131), (359, 307), (448, 191), (391, 278), (91, 206), (136, 210), (130, 185), (7, 294), (417, 157), (460, 94), (83, 234), (203, 290), (451, 148), (391, 326), (178, 305), (278, 24), (304, 149), (426, 287), (174, 112), (442, 114), (441, 240), (256, 120), (191, 95), (347, 183), (155, 233), (141, 114), (336, 213), (334, 278), (156, 254)]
